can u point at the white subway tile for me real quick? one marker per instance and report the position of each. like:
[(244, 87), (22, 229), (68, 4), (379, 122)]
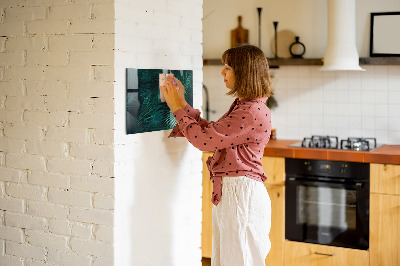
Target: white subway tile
[(394, 83), (291, 71), (382, 136), (367, 97), (394, 137), (394, 97), (382, 110), (394, 123), (381, 97), (368, 123), (380, 84), (394, 110)]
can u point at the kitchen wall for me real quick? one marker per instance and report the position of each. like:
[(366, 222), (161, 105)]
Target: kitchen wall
[(158, 180), (342, 103), (56, 132)]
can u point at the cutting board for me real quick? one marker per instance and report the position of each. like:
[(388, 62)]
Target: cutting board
[(239, 35)]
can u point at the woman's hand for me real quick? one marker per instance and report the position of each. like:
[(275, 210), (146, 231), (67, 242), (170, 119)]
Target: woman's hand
[(174, 94), (181, 90)]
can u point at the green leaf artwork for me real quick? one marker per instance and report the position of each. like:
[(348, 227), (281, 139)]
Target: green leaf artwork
[(146, 110)]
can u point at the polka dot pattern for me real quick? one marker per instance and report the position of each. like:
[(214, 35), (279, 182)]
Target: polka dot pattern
[(238, 139)]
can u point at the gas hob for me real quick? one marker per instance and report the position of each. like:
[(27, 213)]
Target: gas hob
[(332, 142)]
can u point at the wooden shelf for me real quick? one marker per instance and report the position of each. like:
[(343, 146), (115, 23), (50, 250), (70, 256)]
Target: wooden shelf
[(380, 61), (274, 63)]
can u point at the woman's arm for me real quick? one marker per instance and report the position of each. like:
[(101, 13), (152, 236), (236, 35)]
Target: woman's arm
[(175, 98), (239, 127)]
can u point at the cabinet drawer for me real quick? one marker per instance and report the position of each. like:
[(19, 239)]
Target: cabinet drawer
[(304, 254)]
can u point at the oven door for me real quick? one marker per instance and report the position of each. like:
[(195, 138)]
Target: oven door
[(327, 213)]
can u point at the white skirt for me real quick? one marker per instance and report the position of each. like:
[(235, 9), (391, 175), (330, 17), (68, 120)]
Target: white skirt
[(241, 223)]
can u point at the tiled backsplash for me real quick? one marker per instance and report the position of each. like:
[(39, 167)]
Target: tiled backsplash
[(312, 102)]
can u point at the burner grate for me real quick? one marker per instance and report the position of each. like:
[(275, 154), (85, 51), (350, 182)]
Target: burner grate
[(358, 144), (327, 142)]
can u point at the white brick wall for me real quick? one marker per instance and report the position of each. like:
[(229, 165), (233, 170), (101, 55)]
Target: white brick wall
[(56, 132), (156, 177), (59, 128)]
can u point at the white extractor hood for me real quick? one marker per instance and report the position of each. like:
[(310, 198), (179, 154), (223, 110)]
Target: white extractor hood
[(341, 51)]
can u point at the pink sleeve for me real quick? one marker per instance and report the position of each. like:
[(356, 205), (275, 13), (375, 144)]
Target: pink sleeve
[(232, 130), (193, 113)]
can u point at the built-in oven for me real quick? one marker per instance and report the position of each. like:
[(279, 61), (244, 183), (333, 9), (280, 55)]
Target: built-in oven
[(327, 202)]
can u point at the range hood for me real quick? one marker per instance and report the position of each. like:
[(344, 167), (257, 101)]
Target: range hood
[(341, 51)]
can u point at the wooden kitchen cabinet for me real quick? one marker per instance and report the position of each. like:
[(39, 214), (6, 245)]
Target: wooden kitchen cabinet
[(274, 168), (277, 233), (385, 178), (305, 254), (206, 225), (384, 237)]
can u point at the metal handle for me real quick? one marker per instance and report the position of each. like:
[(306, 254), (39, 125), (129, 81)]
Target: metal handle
[(324, 254)]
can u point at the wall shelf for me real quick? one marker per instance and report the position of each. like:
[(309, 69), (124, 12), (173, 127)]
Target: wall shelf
[(380, 61), (274, 63)]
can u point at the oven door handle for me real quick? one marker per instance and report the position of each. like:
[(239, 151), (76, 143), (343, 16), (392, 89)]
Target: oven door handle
[(357, 185)]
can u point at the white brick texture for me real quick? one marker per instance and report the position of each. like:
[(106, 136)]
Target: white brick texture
[(62, 80), (56, 129)]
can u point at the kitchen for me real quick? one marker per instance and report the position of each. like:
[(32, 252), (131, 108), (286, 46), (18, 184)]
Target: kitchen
[(314, 103)]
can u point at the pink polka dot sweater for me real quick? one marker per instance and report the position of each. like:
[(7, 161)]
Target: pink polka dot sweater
[(238, 139)]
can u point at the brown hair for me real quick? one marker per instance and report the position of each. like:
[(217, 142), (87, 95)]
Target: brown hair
[(250, 66)]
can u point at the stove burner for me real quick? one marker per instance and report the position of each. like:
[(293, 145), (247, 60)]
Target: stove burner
[(328, 142), (332, 142), (358, 144)]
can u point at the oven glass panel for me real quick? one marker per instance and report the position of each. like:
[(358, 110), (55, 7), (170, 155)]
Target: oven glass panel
[(326, 207)]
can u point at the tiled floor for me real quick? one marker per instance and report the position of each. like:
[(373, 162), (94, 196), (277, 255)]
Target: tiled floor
[(206, 261)]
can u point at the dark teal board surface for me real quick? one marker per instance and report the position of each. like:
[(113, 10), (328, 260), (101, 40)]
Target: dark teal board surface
[(144, 110)]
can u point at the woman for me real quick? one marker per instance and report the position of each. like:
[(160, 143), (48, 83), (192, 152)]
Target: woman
[(242, 208)]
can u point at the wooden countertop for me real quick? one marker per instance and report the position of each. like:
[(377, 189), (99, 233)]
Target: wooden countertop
[(389, 154)]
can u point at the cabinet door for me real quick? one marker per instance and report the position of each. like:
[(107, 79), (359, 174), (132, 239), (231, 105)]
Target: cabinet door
[(304, 254), (277, 233), (274, 168), (385, 178), (384, 230), (206, 226)]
